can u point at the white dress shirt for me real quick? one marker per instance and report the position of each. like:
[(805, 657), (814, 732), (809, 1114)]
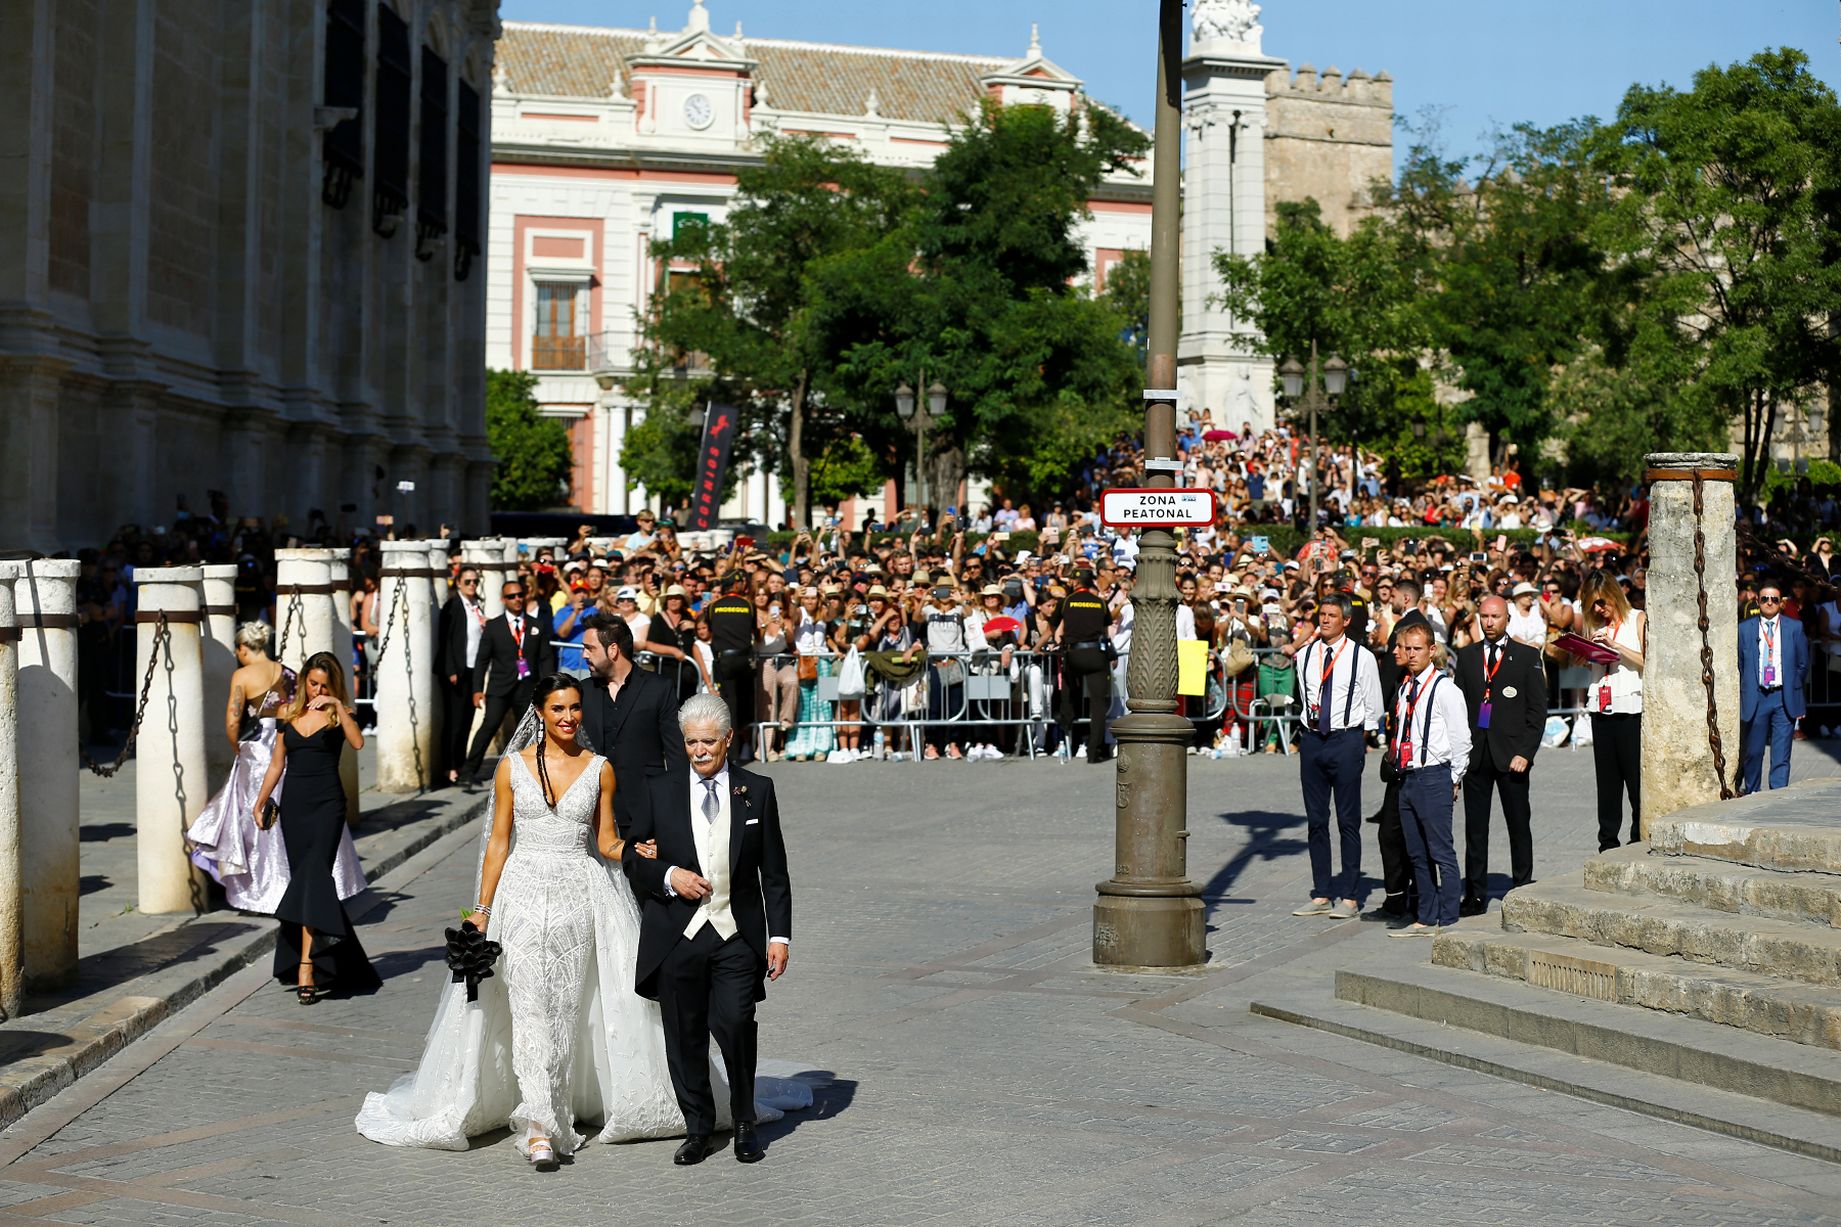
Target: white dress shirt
[(1354, 667), (1441, 724), (713, 854), (1770, 652), (476, 628)]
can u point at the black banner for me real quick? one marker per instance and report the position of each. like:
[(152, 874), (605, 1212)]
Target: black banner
[(712, 466)]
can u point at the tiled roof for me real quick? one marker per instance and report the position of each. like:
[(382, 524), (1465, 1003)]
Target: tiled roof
[(579, 61)]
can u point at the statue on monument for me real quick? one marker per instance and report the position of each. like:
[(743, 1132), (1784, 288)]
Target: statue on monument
[(1233, 21)]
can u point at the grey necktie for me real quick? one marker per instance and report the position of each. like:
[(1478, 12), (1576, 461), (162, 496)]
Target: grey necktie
[(711, 806)]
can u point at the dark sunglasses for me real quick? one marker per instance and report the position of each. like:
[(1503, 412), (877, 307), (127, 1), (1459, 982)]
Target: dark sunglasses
[(1770, 600), (518, 593), (469, 583)]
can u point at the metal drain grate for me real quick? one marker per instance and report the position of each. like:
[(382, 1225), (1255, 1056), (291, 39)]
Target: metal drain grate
[(1566, 974)]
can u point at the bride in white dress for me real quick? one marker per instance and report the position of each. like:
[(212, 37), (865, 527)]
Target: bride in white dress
[(558, 1035)]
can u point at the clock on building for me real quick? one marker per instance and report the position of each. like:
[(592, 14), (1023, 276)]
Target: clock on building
[(698, 112)]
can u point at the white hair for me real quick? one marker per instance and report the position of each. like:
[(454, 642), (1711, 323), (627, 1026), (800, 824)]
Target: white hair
[(255, 636), (699, 708)]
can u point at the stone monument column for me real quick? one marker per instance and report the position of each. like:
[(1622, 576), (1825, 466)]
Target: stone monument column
[(45, 606), (338, 578), (170, 787), (220, 661), (303, 605), (439, 590), (405, 678), (12, 963), (1691, 660), (488, 554), (1224, 136)]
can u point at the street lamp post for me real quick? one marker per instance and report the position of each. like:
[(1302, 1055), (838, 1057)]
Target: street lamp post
[(1335, 379), (1149, 914), (918, 416)]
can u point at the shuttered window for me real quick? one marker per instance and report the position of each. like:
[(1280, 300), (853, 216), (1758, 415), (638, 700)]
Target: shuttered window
[(390, 133), (468, 172), (342, 86), (431, 198)]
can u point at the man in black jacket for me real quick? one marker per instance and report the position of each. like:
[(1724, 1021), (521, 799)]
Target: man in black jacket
[(514, 651), (457, 638), (717, 920), (629, 716), (1505, 688)]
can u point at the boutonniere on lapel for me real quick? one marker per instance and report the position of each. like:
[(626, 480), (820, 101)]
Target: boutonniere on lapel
[(740, 790)]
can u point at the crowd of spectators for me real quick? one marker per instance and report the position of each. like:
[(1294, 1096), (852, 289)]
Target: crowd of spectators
[(903, 616)]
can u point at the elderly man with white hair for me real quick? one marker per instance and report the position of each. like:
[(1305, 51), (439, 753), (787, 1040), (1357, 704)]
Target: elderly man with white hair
[(717, 920)]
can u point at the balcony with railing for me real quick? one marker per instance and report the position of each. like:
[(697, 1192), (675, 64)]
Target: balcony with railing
[(559, 353)]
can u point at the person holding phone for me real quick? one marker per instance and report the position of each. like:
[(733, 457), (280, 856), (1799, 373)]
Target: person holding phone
[(1615, 699)]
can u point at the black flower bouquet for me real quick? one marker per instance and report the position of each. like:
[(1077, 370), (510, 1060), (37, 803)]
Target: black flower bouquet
[(470, 957)]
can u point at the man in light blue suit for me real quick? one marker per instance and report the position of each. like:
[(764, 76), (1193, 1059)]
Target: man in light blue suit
[(1773, 661)]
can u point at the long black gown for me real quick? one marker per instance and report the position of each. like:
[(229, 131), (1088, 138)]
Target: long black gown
[(312, 821)]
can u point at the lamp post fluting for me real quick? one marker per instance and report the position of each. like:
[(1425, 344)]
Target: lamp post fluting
[(1149, 914)]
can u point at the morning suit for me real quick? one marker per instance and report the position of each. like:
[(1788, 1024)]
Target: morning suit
[(506, 671), (458, 633), (1773, 661), (1505, 692), (705, 963), (638, 733)]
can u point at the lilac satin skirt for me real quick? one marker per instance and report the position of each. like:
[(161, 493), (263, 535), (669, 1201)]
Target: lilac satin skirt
[(252, 864)]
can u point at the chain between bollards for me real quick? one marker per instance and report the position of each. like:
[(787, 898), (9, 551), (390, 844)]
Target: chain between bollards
[(1706, 644), (161, 637)]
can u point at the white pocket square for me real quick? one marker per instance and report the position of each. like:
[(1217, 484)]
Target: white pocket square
[(752, 822)]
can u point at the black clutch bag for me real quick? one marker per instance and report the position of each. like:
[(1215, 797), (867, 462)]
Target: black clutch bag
[(271, 814), (470, 957)]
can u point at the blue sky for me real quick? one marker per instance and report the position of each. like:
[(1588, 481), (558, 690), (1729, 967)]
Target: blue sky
[(1477, 64)]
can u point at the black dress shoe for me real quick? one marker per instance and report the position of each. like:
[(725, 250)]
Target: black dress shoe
[(747, 1146), (1471, 906), (696, 1148)]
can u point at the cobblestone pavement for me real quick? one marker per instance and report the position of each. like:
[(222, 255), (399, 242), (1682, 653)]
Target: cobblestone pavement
[(975, 1065)]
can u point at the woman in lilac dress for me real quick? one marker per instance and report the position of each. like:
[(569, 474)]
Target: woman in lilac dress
[(250, 863)]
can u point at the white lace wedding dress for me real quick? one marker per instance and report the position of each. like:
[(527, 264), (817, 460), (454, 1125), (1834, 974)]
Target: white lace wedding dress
[(558, 1035)]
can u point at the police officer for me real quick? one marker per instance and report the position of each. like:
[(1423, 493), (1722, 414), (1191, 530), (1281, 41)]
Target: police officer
[(731, 622), (1080, 631)]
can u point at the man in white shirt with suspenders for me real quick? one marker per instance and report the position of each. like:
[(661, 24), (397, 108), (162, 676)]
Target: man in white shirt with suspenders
[(1341, 689), (1430, 750)]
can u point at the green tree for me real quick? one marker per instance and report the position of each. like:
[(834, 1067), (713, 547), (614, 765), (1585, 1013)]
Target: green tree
[(844, 470), (659, 452), (746, 308), (532, 450), (981, 295), (1128, 289), (1726, 196)]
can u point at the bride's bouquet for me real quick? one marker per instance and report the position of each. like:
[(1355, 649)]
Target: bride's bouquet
[(470, 957)]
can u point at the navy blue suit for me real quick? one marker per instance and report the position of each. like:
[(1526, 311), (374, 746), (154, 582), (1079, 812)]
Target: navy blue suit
[(1769, 713)]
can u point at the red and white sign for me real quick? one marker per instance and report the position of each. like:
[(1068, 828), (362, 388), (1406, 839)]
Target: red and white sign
[(1157, 508)]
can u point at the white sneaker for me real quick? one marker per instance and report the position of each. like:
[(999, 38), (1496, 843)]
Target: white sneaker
[(843, 756), (992, 754), (1082, 752)]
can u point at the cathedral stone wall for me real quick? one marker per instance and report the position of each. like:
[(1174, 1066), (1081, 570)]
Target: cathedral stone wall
[(1327, 137), (188, 300)]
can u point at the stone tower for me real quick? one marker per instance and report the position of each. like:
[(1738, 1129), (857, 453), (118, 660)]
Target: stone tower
[(1224, 157)]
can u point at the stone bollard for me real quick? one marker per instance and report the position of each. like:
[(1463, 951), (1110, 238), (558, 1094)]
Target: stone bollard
[(303, 605), (439, 589), (45, 606), (1678, 758), (338, 577), (220, 661), (404, 696), (12, 963), (488, 554), (169, 764)]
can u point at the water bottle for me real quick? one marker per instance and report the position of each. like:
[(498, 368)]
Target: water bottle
[(880, 752)]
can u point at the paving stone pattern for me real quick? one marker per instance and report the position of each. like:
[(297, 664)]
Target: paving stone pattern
[(974, 1066)]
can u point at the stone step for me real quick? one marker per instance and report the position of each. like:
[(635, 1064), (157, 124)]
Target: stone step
[(1784, 1010), (1760, 944), (1788, 828), (1722, 886), (1768, 1091)]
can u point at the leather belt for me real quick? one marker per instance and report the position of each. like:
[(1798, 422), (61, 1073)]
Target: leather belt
[(1098, 645)]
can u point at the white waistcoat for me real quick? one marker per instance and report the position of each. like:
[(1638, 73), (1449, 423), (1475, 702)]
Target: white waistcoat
[(713, 855)]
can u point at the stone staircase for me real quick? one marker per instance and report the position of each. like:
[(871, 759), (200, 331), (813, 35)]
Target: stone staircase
[(1710, 956)]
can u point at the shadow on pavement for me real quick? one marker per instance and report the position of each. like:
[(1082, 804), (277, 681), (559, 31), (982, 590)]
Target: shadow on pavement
[(1266, 841), (102, 832)]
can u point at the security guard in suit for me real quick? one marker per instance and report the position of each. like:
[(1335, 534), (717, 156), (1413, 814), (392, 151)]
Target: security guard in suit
[(1505, 691), (731, 622), (1081, 631)]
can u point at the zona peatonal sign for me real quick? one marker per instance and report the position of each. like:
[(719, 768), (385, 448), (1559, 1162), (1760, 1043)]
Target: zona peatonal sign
[(1157, 508)]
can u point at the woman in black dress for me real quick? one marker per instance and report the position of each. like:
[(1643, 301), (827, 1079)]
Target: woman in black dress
[(316, 948)]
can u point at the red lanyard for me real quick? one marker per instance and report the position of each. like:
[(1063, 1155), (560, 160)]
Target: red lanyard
[(1405, 740), (517, 633), (1329, 669), (1770, 639), (478, 611), (1489, 674)]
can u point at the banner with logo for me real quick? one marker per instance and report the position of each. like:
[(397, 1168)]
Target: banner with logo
[(712, 466)]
